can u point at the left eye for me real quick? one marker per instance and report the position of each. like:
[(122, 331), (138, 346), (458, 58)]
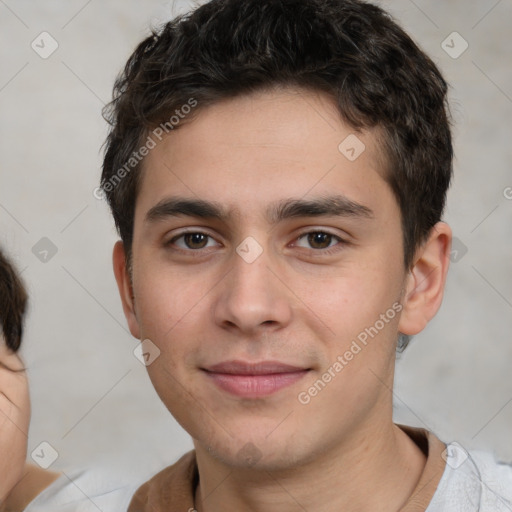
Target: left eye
[(192, 240), (319, 239)]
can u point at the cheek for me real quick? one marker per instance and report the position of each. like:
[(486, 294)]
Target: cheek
[(354, 298), (174, 374), (164, 298), (362, 311), (170, 309)]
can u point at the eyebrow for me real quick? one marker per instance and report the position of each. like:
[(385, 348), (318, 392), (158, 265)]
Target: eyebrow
[(333, 205)]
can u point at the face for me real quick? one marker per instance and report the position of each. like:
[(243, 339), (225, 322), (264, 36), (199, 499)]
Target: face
[(275, 306)]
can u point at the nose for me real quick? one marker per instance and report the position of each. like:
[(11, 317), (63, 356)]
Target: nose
[(252, 296)]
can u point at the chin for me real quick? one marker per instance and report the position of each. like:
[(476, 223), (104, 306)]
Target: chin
[(256, 453)]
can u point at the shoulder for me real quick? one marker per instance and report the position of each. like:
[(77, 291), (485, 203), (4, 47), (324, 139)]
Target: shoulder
[(33, 481), (473, 480), (85, 490)]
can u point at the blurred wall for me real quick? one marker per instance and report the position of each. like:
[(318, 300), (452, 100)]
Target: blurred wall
[(91, 398)]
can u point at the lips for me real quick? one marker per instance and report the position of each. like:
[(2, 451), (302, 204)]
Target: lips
[(261, 368), (254, 380)]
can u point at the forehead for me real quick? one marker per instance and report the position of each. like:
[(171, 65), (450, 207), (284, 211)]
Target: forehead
[(251, 150)]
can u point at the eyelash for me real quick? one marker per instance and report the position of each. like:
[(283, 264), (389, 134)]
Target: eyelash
[(327, 251)]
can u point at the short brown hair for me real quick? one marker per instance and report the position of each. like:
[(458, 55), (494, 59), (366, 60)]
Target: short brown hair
[(350, 49)]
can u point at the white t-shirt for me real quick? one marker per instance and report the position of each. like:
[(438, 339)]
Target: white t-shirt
[(471, 482)]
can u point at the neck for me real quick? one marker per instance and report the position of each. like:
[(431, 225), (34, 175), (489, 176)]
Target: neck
[(376, 469)]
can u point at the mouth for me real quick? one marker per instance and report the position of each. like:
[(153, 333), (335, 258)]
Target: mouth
[(254, 380)]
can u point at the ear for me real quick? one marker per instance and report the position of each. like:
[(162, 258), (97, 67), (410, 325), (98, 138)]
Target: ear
[(125, 288), (425, 283)]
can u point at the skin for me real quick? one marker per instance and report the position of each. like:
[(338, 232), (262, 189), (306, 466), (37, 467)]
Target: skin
[(202, 303), (14, 418)]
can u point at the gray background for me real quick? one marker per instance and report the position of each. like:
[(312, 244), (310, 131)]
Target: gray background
[(91, 398)]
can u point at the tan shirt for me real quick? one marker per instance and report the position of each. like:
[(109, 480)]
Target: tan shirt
[(173, 489)]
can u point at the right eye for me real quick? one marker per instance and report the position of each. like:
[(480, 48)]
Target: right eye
[(192, 241)]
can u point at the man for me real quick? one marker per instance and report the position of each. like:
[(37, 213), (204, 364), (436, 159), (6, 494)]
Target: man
[(277, 241), (277, 171)]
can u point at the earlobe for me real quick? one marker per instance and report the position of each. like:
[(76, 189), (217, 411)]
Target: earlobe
[(426, 280), (124, 286)]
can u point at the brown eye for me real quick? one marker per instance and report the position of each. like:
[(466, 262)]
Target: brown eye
[(319, 240), (195, 240)]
